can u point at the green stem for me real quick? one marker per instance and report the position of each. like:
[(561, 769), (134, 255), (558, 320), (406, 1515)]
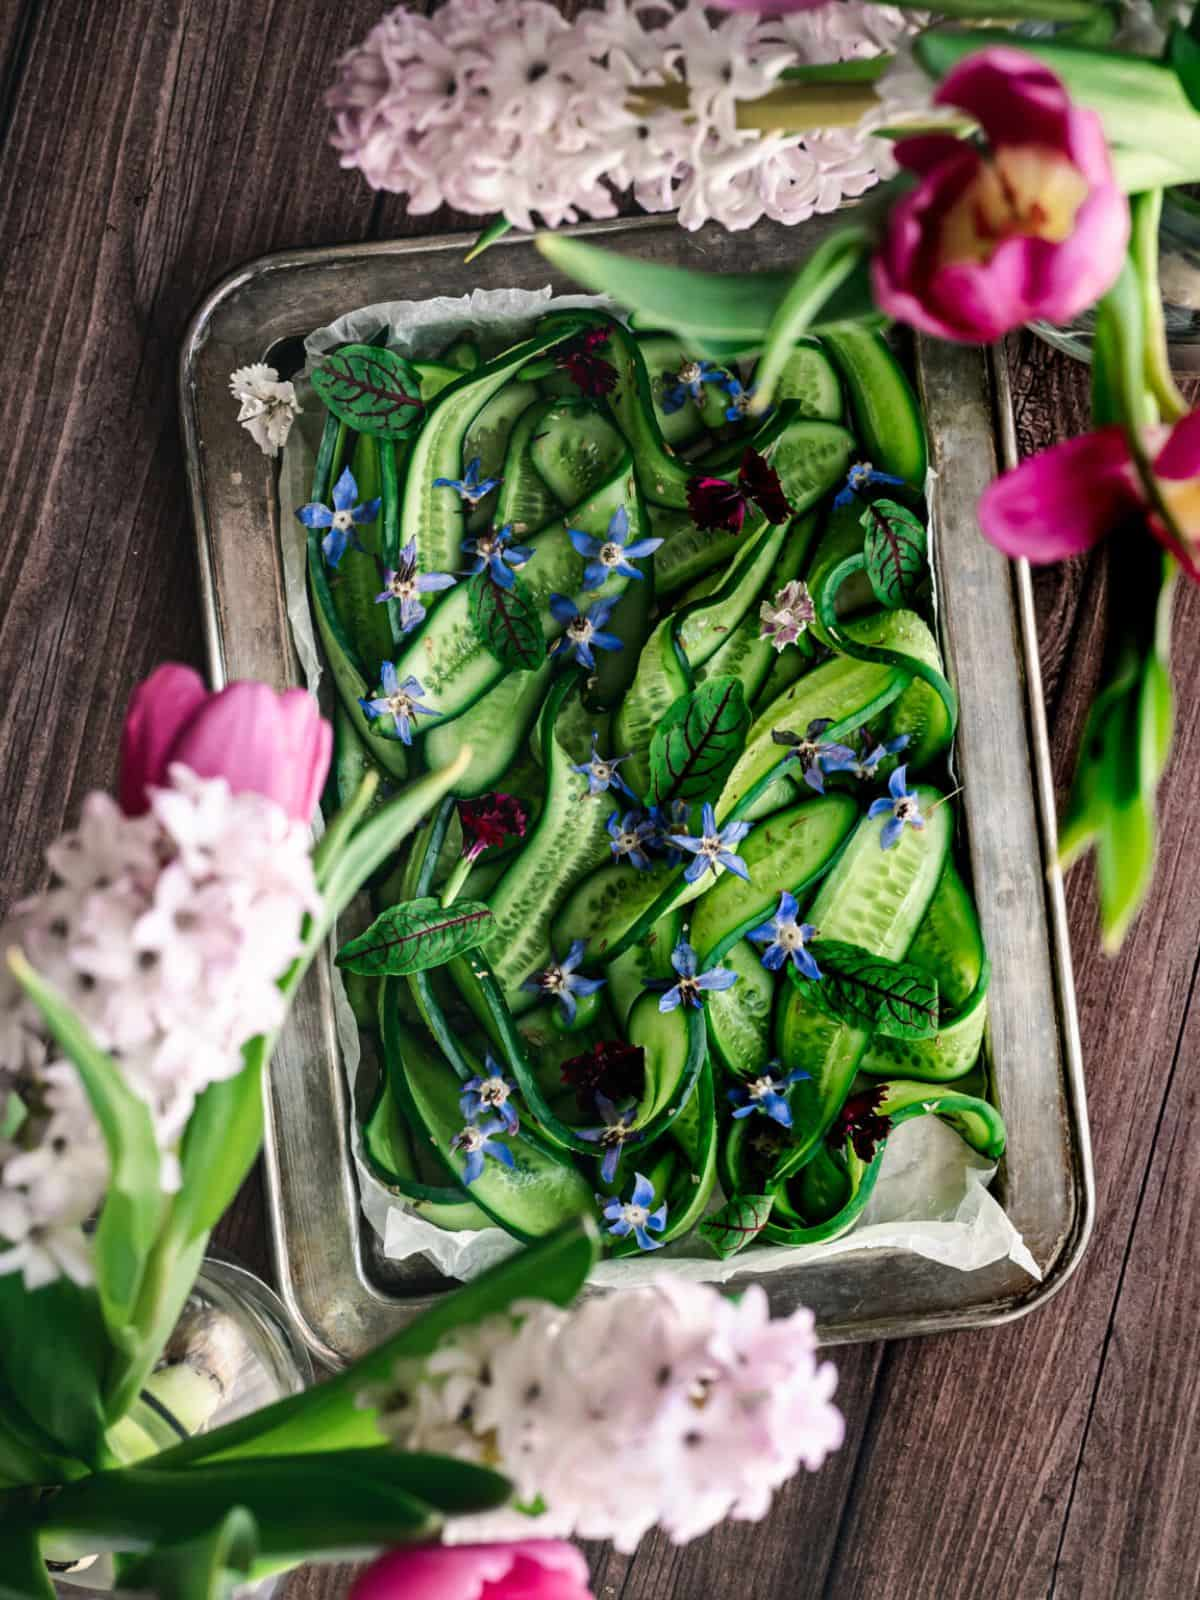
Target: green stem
[(454, 883), (1146, 215)]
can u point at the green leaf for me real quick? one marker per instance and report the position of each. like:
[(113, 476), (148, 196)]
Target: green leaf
[(1183, 53), (53, 1353), (554, 1268), (894, 550), (23, 1574), (893, 998), (416, 935), (697, 742), (370, 390), (133, 1204), (737, 1223), (206, 1568), (507, 621), (496, 229)]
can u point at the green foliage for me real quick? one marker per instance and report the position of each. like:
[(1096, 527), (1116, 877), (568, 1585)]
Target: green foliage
[(416, 935), (53, 1352), (495, 229), (506, 621), (830, 267), (698, 742), (738, 1222), (893, 998), (209, 1567), (370, 390), (894, 551)]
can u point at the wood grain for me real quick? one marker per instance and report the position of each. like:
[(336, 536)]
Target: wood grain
[(149, 146)]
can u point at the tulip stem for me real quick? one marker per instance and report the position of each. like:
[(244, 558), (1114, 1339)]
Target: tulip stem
[(1143, 249)]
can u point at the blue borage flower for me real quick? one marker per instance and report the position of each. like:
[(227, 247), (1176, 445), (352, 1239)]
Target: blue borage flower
[(839, 758), (812, 752), (630, 835), (740, 396), (664, 824), (561, 981), (689, 384), (583, 632), (712, 848), (496, 552), (635, 1216), (786, 939), (489, 1091), (903, 805), (767, 1094), (860, 477), (342, 521), (405, 584), (688, 991), (478, 1140), (616, 1128), (398, 701), (611, 554), (471, 488), (601, 771)]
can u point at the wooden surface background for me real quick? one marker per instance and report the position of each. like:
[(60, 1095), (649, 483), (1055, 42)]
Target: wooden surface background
[(148, 146)]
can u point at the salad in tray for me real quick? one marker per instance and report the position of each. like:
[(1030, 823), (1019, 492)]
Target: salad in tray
[(690, 937)]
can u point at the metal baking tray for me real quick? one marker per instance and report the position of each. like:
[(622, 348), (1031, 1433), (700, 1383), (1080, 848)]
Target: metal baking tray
[(344, 1296)]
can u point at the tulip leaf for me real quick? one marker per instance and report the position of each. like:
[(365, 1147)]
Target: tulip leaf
[(370, 390), (23, 1574), (697, 742), (892, 998), (507, 621), (209, 1567), (487, 236), (737, 1224), (53, 1353), (416, 935), (826, 270), (894, 551)]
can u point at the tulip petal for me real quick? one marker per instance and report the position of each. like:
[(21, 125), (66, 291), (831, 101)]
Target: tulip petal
[(1180, 456), (528, 1570), (158, 711), (1063, 501), (260, 743)]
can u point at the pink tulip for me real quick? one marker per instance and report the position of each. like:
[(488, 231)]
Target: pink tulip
[(1033, 227), (1066, 499), (530, 1570), (261, 742)]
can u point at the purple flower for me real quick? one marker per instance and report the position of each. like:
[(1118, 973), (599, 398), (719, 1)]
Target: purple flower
[(405, 584), (582, 632), (689, 384), (342, 521), (611, 554), (767, 1094), (619, 1123), (630, 835), (663, 825), (862, 766), (562, 982), (489, 1091), (813, 752), (601, 772), (689, 989), (492, 550), (635, 1216), (478, 1140), (904, 807), (860, 477), (712, 848), (398, 701), (788, 615), (786, 938), (471, 488)]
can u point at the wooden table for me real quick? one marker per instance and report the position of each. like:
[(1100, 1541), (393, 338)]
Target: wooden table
[(148, 146)]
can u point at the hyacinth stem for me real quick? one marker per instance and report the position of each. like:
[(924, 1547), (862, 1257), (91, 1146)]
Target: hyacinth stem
[(789, 108)]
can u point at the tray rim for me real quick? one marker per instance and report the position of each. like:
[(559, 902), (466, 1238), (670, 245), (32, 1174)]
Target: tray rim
[(1002, 1309)]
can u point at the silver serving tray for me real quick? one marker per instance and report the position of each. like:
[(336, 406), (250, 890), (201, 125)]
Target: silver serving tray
[(344, 1296)]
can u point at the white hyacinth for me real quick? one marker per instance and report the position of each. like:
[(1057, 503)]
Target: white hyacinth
[(268, 407), (166, 933), (502, 106), (714, 1409)]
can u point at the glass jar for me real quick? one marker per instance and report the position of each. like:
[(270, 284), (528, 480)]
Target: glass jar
[(233, 1351)]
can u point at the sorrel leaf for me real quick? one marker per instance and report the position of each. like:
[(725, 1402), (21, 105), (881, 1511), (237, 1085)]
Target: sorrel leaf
[(894, 551), (507, 622), (893, 998), (697, 742), (370, 390), (416, 935)]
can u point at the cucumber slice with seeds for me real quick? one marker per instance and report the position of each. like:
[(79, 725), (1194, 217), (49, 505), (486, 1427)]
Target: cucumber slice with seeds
[(739, 1019), (575, 449), (487, 442)]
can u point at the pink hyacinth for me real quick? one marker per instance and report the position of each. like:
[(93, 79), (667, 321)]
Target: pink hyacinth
[(1066, 499), (260, 742), (533, 1569), (1033, 227)]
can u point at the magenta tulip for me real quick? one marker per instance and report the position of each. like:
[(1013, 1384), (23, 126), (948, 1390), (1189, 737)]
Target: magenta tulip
[(531, 1570), (261, 742), (1033, 227), (1066, 499)]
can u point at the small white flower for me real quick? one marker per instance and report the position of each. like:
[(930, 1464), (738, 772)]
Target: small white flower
[(268, 407)]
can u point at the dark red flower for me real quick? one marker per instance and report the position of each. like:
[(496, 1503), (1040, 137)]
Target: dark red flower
[(860, 1122), (488, 821), (717, 503), (612, 1068), (590, 373)]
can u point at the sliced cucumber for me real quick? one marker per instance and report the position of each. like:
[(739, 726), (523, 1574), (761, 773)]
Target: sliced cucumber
[(687, 552), (875, 898), (689, 1180), (523, 500), (610, 901), (643, 963), (739, 1019), (809, 380), (948, 1054), (387, 1145), (487, 441), (463, 354), (664, 356), (887, 417), (494, 727), (434, 376), (575, 449), (662, 676), (949, 942)]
